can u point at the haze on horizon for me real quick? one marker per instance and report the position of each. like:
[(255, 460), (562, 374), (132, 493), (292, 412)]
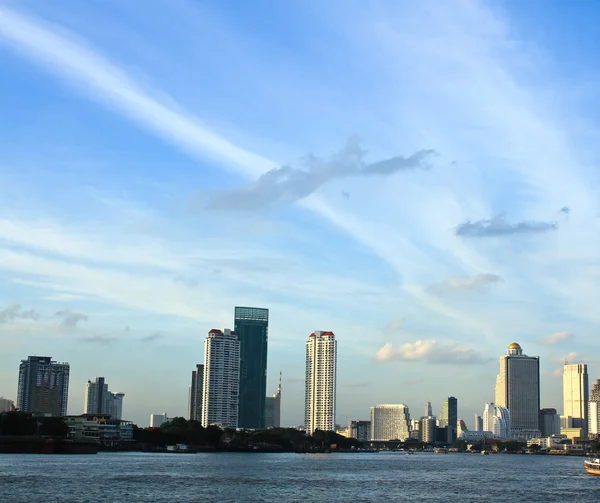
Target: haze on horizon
[(419, 177)]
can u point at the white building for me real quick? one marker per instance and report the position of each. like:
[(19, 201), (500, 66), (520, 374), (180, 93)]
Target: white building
[(321, 369), (390, 422), (478, 423), (501, 427), (594, 411), (99, 400), (156, 420), (6, 405), (221, 381), (576, 395), (518, 390)]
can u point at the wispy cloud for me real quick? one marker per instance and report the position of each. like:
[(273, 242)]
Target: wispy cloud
[(98, 339), (15, 311), (70, 319), (431, 351), (152, 337), (498, 226), (395, 324), (556, 338), (481, 282)]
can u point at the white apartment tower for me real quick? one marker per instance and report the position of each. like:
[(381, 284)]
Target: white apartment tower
[(221, 380), (390, 422), (576, 395), (99, 400), (319, 396), (594, 411), (518, 390)]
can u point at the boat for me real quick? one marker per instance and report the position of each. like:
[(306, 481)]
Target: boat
[(440, 450), (592, 466), (484, 453)]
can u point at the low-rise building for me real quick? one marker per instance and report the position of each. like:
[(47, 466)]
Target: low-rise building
[(360, 430), (6, 405), (100, 428)]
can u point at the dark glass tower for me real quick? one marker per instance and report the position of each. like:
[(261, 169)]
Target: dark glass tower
[(251, 325)]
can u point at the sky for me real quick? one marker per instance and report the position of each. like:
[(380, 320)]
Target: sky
[(419, 177)]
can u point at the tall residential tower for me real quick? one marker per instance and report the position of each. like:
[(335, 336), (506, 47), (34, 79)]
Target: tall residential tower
[(43, 386), (319, 397), (99, 400), (195, 400), (449, 418), (576, 395), (273, 408), (594, 411)]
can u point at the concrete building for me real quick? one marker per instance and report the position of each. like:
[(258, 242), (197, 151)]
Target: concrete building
[(157, 420), (550, 422), (501, 427), (195, 399), (448, 418), (360, 430), (390, 422), (100, 428), (488, 417), (6, 405), (594, 411), (461, 426), (251, 324), (428, 429), (428, 409), (273, 408), (576, 395), (221, 379), (99, 400), (320, 387), (43, 386), (478, 423), (518, 390)]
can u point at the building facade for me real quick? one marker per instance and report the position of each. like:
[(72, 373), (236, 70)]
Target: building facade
[(220, 386), (550, 422), (100, 428), (251, 324), (390, 422), (195, 399), (320, 382), (157, 420), (43, 386), (449, 417), (99, 400), (594, 411), (273, 408), (518, 390), (360, 430), (576, 395), (6, 405), (478, 423), (501, 425), (428, 427)]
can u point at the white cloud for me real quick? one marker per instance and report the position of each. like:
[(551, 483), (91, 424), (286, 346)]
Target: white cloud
[(431, 351), (481, 282), (556, 338)]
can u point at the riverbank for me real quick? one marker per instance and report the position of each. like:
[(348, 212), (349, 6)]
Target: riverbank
[(41, 445)]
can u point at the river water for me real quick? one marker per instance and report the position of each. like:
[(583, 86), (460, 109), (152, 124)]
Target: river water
[(302, 478)]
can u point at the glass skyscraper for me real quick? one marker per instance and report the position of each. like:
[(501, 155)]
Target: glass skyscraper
[(251, 324)]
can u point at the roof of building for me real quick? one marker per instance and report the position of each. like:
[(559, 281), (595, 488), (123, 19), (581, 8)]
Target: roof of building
[(514, 345)]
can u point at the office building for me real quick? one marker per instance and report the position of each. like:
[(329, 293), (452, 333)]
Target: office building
[(251, 324), (576, 395), (449, 417), (594, 411), (428, 410), (99, 400), (195, 399), (478, 423), (43, 386), (220, 386), (360, 430), (428, 428), (390, 422), (501, 425), (550, 422), (461, 427), (320, 382), (157, 420), (518, 390), (6, 405), (273, 408)]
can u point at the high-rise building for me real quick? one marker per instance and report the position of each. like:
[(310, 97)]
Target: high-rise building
[(320, 382), (428, 429), (428, 410), (273, 408), (360, 430), (221, 379), (251, 325), (550, 422), (576, 395), (449, 416), (195, 399), (518, 390), (43, 386), (478, 423), (157, 420), (501, 425), (390, 422), (461, 427), (99, 400), (488, 415), (594, 411), (6, 405)]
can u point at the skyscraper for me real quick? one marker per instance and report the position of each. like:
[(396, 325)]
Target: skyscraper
[(518, 390), (195, 401), (488, 416), (449, 417), (43, 386), (251, 325), (221, 379), (478, 423), (428, 411), (501, 425), (99, 400), (594, 411), (549, 422), (6, 405), (319, 396), (390, 422), (273, 408), (576, 395)]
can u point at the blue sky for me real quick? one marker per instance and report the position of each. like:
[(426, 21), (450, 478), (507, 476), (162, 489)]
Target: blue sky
[(419, 177)]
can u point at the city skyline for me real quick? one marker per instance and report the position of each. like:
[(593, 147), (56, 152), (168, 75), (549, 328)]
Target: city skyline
[(421, 178)]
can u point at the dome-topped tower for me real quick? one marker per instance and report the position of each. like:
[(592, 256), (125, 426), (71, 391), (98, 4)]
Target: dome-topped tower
[(514, 349)]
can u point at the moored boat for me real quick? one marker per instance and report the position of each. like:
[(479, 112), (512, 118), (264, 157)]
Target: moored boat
[(592, 466)]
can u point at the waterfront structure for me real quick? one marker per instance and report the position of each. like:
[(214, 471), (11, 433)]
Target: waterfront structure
[(576, 395), (273, 408), (478, 423), (99, 400), (360, 430), (251, 324), (220, 386), (594, 411), (428, 429), (195, 399), (518, 390), (550, 442), (103, 429), (390, 422), (43, 386), (6, 405), (549, 422), (476, 436), (157, 420), (320, 382), (448, 418)]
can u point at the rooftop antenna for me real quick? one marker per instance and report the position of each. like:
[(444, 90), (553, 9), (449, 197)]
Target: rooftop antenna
[(279, 387)]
